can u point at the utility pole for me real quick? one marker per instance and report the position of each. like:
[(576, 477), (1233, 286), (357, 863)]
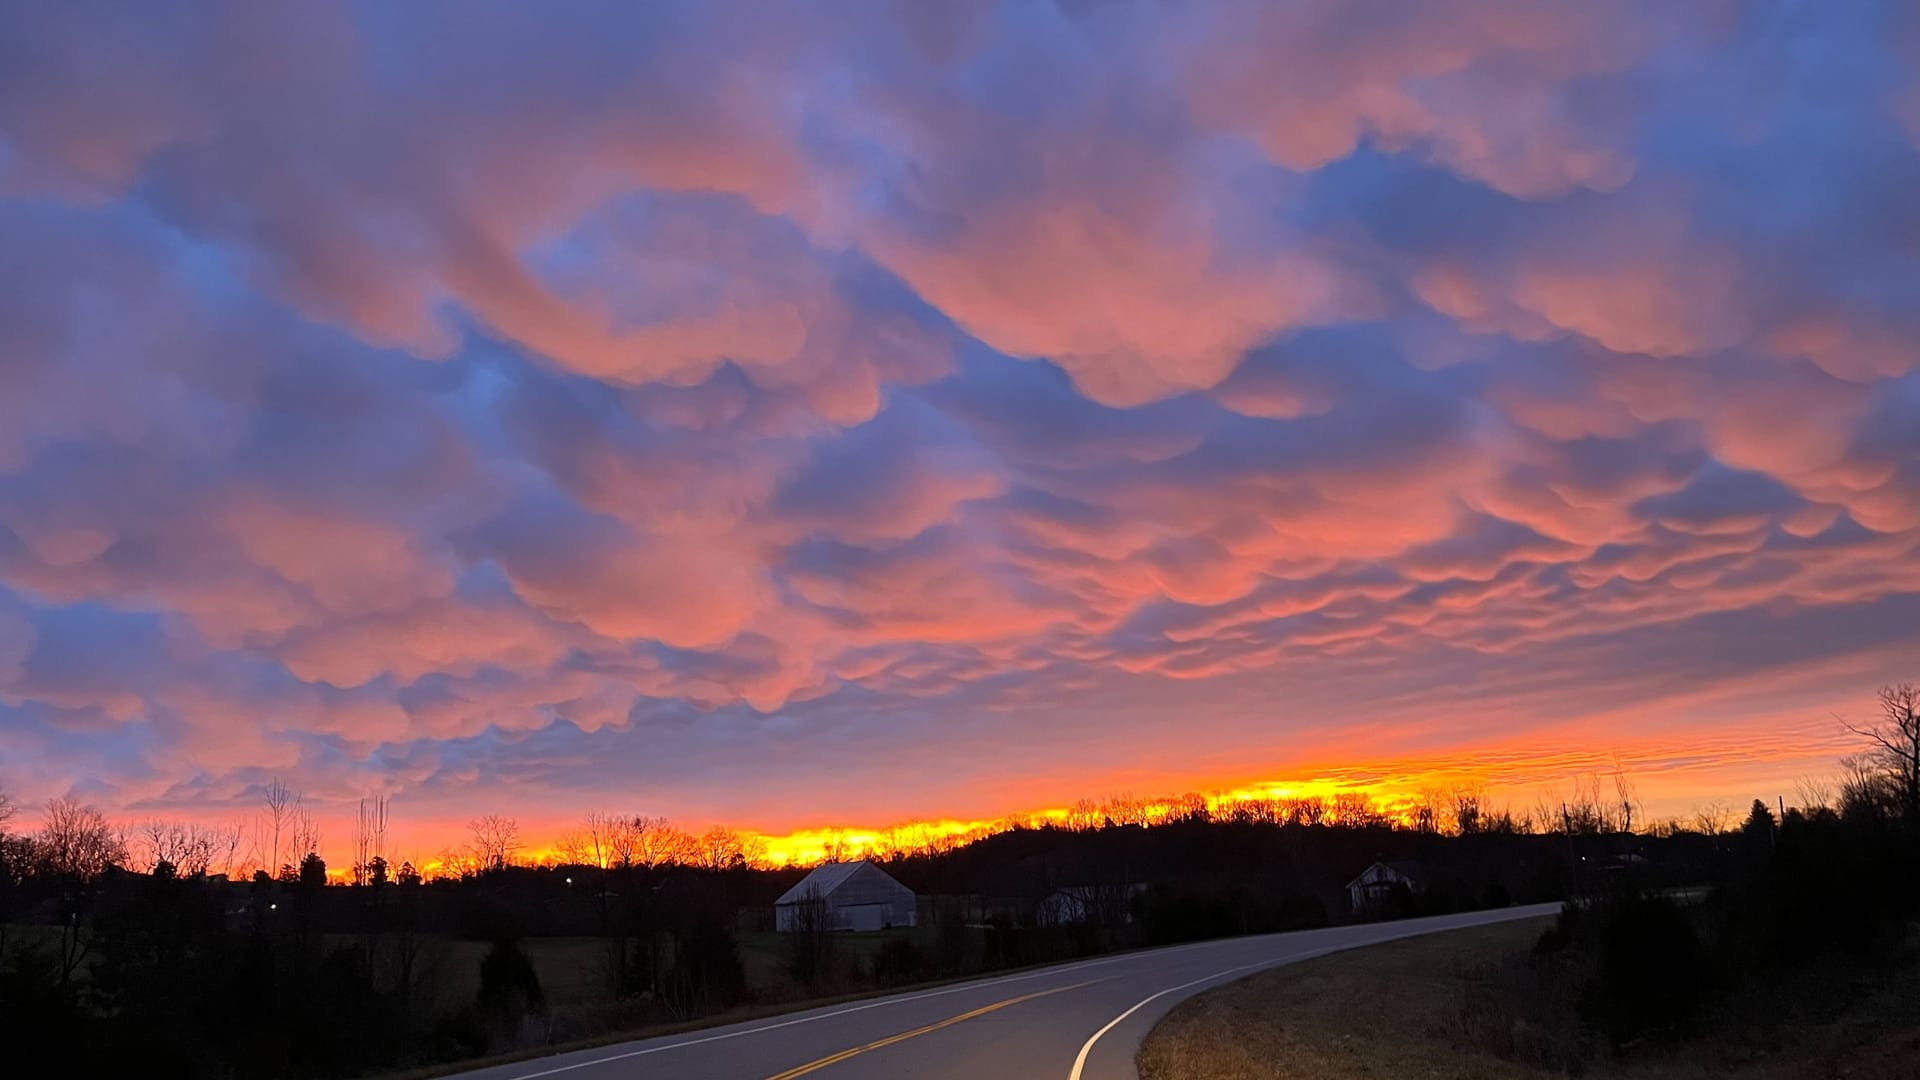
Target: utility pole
[(1573, 867)]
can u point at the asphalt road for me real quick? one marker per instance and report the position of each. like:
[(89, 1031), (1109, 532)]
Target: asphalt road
[(1078, 1021)]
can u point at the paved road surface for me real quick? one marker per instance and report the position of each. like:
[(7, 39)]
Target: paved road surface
[(1079, 1021)]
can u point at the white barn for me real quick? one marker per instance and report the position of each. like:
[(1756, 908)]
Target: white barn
[(851, 895)]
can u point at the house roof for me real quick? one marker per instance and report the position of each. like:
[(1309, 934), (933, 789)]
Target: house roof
[(824, 879), (1401, 868), (1083, 891), (1408, 869)]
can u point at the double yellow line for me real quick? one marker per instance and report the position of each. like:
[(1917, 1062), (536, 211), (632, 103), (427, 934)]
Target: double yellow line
[(830, 1059)]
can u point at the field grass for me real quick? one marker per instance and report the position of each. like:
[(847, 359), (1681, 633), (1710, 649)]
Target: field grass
[(572, 970), (1421, 1008), (580, 971)]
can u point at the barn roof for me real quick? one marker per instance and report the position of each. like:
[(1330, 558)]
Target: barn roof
[(825, 878)]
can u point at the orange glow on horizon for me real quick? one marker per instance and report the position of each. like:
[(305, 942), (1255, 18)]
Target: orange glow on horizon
[(1665, 780)]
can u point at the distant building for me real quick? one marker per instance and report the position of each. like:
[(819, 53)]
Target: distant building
[(850, 896), (1369, 891), (1101, 905)]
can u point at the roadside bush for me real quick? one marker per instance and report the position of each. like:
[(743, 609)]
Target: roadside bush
[(897, 962), (1171, 917), (1521, 1008), (707, 974), (957, 951), (509, 992), (1556, 938), (1653, 976)]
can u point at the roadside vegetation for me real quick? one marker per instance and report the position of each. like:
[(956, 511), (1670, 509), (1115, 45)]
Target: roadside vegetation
[(1801, 960)]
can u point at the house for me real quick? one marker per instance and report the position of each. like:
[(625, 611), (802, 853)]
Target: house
[(1101, 905), (846, 896), (1369, 891)]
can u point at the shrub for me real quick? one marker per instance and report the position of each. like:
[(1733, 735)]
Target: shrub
[(509, 991), (896, 962), (1653, 976)]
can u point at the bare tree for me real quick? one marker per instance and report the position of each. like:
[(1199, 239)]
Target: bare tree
[(1425, 813), (1469, 810), (1712, 817), (835, 848), (1589, 812), (369, 839), (721, 848), (1304, 810), (190, 849), (1084, 814), (1814, 794), (76, 846), (14, 857), (810, 938), (303, 832), (1896, 744), (1624, 797), (617, 837), (603, 841), (1355, 810), (657, 843), (575, 848), (1127, 809), (456, 861), (496, 840), (77, 842), (224, 845), (1865, 791), (280, 803)]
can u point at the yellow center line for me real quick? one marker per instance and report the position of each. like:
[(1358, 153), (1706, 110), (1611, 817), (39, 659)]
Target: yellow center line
[(830, 1059)]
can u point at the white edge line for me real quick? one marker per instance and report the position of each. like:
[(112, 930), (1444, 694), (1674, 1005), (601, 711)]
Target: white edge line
[(811, 1017), (1080, 1060), (944, 991)]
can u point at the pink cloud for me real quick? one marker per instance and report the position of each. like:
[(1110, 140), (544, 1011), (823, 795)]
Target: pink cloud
[(797, 392)]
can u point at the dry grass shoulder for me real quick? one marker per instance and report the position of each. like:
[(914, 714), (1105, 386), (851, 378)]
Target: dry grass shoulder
[(1449, 1006)]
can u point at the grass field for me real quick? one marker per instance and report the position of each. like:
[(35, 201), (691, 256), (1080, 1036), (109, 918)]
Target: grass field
[(573, 970), (1420, 1008), (579, 971)]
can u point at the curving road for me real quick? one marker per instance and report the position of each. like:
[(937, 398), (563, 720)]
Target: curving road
[(1079, 1021)]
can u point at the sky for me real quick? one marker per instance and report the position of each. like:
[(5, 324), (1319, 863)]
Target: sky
[(806, 415)]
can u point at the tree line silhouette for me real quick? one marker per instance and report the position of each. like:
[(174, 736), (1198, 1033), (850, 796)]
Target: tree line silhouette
[(151, 947)]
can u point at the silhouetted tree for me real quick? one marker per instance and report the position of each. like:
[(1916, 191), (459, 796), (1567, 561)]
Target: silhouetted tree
[(810, 939), (509, 989), (280, 803), (313, 871), (721, 848), (657, 843), (76, 842), (1896, 745), (75, 848), (1467, 812), (495, 840)]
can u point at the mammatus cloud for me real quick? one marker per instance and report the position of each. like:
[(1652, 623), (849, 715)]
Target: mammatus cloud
[(676, 406)]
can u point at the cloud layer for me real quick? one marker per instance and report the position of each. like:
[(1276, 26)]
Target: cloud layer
[(695, 405)]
